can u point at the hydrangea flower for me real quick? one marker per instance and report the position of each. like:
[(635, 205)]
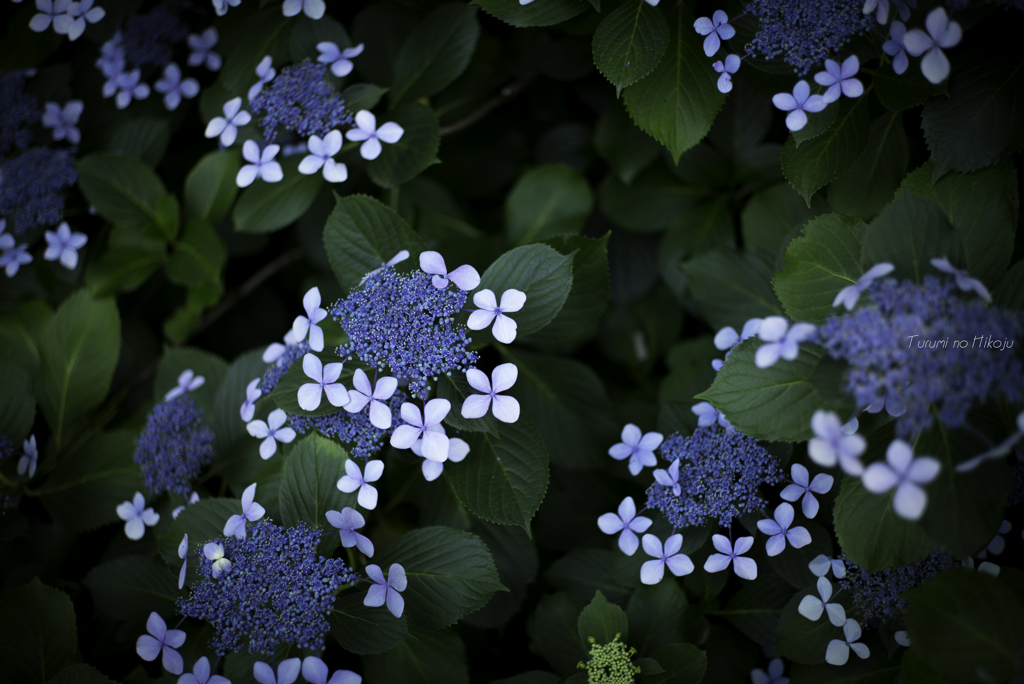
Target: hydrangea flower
[(129, 88), (200, 674), (880, 594), (183, 555), (314, 9), (201, 46), (435, 444), (626, 522), (161, 640), (780, 531), (251, 511), (679, 564), (366, 130), (221, 6), (32, 192), (14, 258), (726, 69), (321, 151), (728, 339), (772, 676), (310, 322), (798, 105), (458, 449), (64, 121), (708, 415), (398, 258), (287, 671), (271, 432), (174, 87), (782, 340), (300, 99), (830, 445), (347, 522), (963, 280), (387, 590), (277, 352), (669, 478), (261, 165), (174, 447), (265, 72), (324, 382), (227, 126), (821, 564), (363, 438), (363, 393), (717, 29), (354, 479), (811, 606), (150, 38), (49, 11), (895, 48), (252, 394), (339, 60), (901, 638), (219, 565), (489, 310), (187, 382), (838, 651), (465, 277), (79, 14), (879, 7), (906, 473), (30, 459), (998, 543), (850, 294), (803, 486), (315, 671), (840, 79), (728, 553), (637, 447), (504, 408), (193, 498), (21, 111), (136, 516), (942, 33)]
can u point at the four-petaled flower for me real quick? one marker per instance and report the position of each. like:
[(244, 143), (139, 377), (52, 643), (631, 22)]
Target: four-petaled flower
[(200, 674), (386, 591), (895, 48), (354, 479), (271, 432), (963, 281), (838, 651), (182, 554), (821, 564), (780, 531), (831, 445), (261, 164), (129, 88), (64, 245), (366, 129), (314, 9), (265, 72), (488, 310), (340, 60), (458, 449), (798, 104), (14, 257), (670, 477), (201, 46), (807, 488), (309, 322), (465, 277), (717, 29), (811, 606), (251, 511), (64, 121), (638, 447), (850, 294), (679, 564), (315, 671), (363, 393), (187, 382), (401, 256), (708, 415), (174, 87), (880, 7), (628, 523), (49, 11), (321, 153), (728, 553), (221, 6), (840, 79), (164, 641), (727, 69), (136, 516), (227, 126), (772, 676), (79, 14), (347, 522), (782, 340), (287, 671), (906, 473), (29, 458), (325, 381), (942, 33), (435, 444), (252, 394), (214, 551), (505, 409)]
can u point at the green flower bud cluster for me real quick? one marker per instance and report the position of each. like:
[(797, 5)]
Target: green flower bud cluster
[(610, 663)]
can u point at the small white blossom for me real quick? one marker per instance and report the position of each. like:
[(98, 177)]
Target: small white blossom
[(214, 551), (354, 479), (366, 129), (504, 408), (488, 310), (325, 381), (321, 153), (637, 447), (627, 524), (309, 323), (251, 512), (271, 432), (252, 394), (465, 277), (727, 553), (798, 104), (780, 531), (679, 564), (830, 445), (782, 340)]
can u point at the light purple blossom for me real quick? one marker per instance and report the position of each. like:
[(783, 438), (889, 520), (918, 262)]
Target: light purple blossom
[(201, 674), (398, 258), (708, 415), (187, 381), (49, 11), (315, 671), (726, 69), (221, 6), (488, 310), (79, 14), (309, 322), (276, 350), (387, 590), (435, 444), (717, 29), (321, 153), (161, 640), (201, 46), (780, 531), (811, 606), (271, 432), (261, 164), (628, 523), (465, 277), (840, 79), (906, 474), (880, 7), (804, 487), (129, 87), (366, 130), (265, 72), (325, 381), (64, 121), (783, 340), (727, 553), (251, 511), (14, 257), (347, 522), (227, 126), (287, 672), (214, 552), (830, 445), (679, 564), (798, 104), (174, 87), (354, 479), (194, 498), (252, 394), (772, 676), (314, 9), (30, 457), (363, 393), (942, 33), (136, 516), (183, 555), (458, 449), (998, 543), (893, 403), (64, 245), (963, 281), (340, 60), (850, 294), (669, 478), (821, 564), (895, 48), (637, 447), (838, 651), (504, 408), (727, 338)]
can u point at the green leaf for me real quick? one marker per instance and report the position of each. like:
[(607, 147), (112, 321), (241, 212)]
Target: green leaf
[(873, 179), (17, 405), (533, 14), (820, 263), (309, 486), (554, 632), (504, 478), (653, 612), (585, 570), (682, 664), (361, 234), (427, 658), (364, 630), (792, 566), (146, 138), (37, 633), (967, 626), (817, 124), (123, 270), (531, 677), (776, 403), (85, 488), (903, 91), (202, 521), (544, 275), (823, 159), (264, 33), (731, 287), (308, 32), (678, 101), (436, 52), (80, 674), (226, 420), (210, 188), (757, 608), (625, 148), (603, 621), (210, 366), (547, 201), (876, 669), (266, 207), (168, 217), (654, 201), (568, 404), (771, 216), (516, 558), (361, 96), (415, 151), (78, 353), (629, 42), (122, 188), (802, 640), (198, 257), (1009, 294), (131, 587), (451, 574)]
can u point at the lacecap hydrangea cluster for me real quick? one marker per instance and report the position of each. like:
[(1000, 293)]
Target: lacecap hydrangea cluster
[(32, 187), (150, 38), (610, 663), (273, 375), (19, 113), (879, 595), (365, 438), (174, 447), (278, 591), (300, 99)]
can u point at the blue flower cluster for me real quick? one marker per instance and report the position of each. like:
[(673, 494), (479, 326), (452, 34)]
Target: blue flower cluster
[(19, 112), (881, 345), (355, 429), (300, 99), (805, 33), (880, 594), (150, 38), (277, 370), (403, 324), (32, 188), (278, 591), (720, 475), (174, 447)]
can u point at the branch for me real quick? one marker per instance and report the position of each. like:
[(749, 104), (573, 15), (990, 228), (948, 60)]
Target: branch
[(503, 96)]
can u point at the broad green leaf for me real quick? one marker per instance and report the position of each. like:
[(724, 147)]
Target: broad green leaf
[(909, 233), (873, 179), (17, 405), (20, 331), (816, 163), (531, 677), (547, 201), (554, 632), (88, 483), (451, 574), (757, 607), (426, 658), (199, 257), (876, 669), (515, 555), (682, 664), (202, 521), (602, 621), (261, 34), (122, 188), (654, 201), (78, 353), (776, 403), (817, 124), (967, 626), (416, 150), (131, 587), (362, 96), (629, 42), (771, 216), (37, 633), (504, 478), (364, 630), (654, 611), (1009, 294), (361, 234), (731, 287), (210, 188), (123, 270), (802, 640), (80, 674), (544, 275), (146, 138), (266, 207), (618, 141), (309, 486), (382, 28), (435, 53), (176, 360), (534, 13), (903, 91), (227, 422), (678, 101), (168, 217), (820, 263), (583, 570)]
